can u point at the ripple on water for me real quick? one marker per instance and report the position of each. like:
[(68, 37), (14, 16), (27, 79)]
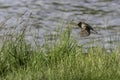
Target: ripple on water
[(103, 15)]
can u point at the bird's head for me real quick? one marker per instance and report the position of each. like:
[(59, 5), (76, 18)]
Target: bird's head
[(82, 25)]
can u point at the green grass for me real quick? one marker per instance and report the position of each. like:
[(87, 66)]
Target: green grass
[(60, 60)]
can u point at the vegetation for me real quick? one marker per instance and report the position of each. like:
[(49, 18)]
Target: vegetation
[(63, 59)]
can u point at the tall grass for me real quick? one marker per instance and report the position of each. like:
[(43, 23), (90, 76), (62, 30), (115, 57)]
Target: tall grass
[(63, 60)]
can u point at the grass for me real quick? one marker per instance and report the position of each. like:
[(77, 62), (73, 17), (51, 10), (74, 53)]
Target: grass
[(61, 60)]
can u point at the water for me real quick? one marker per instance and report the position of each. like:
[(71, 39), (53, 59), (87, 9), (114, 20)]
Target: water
[(46, 15)]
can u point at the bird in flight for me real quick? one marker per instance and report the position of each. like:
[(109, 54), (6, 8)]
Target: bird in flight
[(85, 29)]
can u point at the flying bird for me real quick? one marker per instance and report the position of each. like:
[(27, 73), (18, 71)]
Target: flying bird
[(85, 29)]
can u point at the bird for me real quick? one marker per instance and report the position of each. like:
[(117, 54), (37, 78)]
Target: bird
[(85, 29)]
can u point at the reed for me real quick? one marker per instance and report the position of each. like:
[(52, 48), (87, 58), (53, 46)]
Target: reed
[(63, 60)]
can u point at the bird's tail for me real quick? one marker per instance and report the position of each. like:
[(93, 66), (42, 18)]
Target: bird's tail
[(93, 30)]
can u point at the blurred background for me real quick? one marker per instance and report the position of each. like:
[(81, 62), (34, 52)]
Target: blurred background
[(44, 16)]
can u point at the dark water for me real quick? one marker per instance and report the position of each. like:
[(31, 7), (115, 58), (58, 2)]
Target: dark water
[(43, 16)]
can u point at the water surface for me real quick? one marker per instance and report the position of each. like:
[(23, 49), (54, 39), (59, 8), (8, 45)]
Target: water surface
[(43, 16)]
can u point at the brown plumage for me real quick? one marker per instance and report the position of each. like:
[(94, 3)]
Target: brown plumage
[(85, 29)]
